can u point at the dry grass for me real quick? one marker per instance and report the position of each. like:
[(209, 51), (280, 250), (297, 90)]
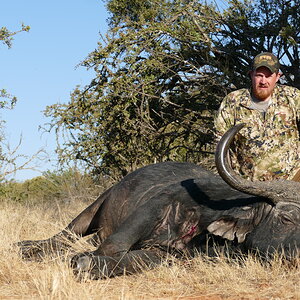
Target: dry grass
[(191, 279)]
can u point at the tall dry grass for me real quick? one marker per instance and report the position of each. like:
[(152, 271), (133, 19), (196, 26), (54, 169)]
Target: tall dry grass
[(197, 278)]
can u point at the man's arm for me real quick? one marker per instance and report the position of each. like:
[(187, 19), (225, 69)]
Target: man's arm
[(296, 99), (225, 117), (297, 103)]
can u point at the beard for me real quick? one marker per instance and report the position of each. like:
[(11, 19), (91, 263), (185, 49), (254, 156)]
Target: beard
[(262, 94)]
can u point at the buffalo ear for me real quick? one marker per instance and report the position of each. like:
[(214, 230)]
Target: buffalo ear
[(234, 226)]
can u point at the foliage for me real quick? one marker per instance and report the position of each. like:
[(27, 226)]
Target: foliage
[(52, 187), (160, 74), (6, 36)]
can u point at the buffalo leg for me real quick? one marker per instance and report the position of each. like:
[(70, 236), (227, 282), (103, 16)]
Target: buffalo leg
[(114, 257), (61, 242)]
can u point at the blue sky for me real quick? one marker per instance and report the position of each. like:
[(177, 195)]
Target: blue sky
[(40, 68)]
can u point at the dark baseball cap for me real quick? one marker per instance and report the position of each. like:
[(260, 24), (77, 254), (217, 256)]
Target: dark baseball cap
[(268, 60)]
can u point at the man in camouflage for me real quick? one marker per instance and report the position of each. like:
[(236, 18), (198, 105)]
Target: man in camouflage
[(268, 147)]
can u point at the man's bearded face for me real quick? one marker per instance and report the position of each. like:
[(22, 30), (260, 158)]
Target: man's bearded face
[(263, 83)]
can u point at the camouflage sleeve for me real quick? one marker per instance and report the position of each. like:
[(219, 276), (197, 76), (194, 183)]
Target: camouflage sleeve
[(225, 116), (294, 96), (297, 103)]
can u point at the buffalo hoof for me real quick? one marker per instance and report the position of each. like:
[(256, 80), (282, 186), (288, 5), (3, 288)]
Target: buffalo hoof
[(100, 267), (31, 250), (87, 265), (38, 250)]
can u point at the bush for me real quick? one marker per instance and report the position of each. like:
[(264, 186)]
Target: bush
[(65, 187)]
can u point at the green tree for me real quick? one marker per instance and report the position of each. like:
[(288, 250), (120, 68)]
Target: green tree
[(160, 74)]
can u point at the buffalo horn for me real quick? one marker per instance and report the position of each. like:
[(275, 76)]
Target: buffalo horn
[(276, 190)]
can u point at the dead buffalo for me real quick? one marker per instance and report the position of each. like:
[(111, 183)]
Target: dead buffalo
[(170, 207)]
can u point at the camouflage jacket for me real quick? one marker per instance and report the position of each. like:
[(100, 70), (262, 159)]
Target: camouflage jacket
[(268, 147)]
